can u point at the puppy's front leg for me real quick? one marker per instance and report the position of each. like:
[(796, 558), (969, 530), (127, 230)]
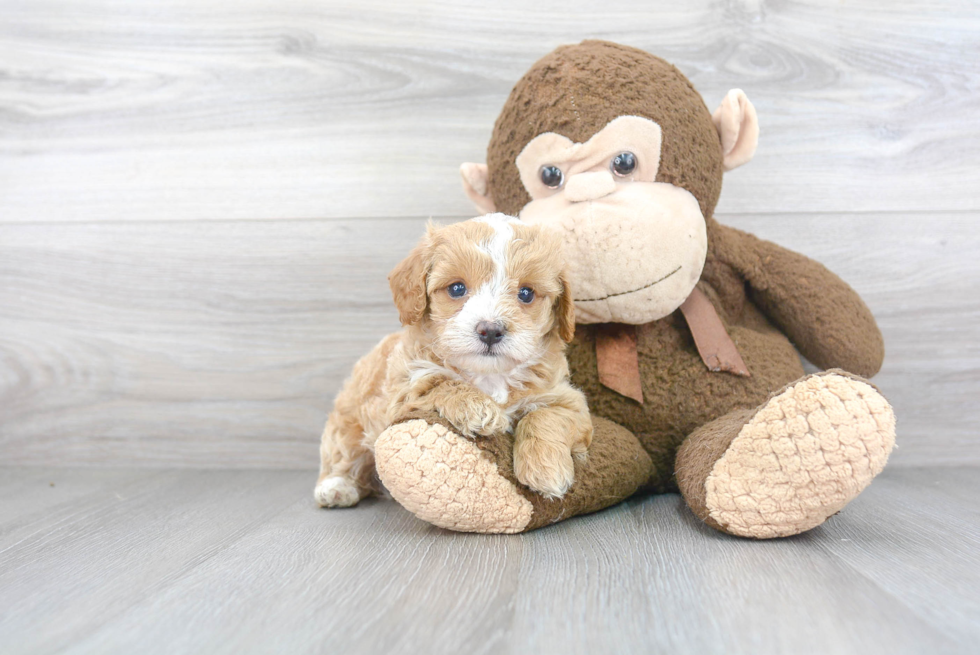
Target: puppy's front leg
[(545, 442), (471, 411)]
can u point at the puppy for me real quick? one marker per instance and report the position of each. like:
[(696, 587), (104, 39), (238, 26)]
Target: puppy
[(487, 312)]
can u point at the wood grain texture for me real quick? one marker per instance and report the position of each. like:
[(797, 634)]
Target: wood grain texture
[(199, 203), (129, 110), (99, 553), (222, 344), (152, 342), (242, 561)]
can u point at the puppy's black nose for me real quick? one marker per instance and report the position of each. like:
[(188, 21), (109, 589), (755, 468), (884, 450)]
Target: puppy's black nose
[(490, 333)]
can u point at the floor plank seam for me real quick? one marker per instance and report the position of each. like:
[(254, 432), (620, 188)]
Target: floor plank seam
[(177, 576)]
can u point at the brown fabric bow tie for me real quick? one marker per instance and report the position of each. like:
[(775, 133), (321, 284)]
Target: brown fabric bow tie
[(615, 347)]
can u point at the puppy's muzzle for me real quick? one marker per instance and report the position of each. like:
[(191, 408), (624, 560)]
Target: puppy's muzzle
[(490, 332)]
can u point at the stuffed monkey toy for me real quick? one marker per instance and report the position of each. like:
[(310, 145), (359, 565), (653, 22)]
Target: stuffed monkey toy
[(688, 332)]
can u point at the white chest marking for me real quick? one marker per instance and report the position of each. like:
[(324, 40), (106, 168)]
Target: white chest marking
[(497, 386)]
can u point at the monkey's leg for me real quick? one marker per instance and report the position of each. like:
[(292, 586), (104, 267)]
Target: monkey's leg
[(468, 485), (790, 464)]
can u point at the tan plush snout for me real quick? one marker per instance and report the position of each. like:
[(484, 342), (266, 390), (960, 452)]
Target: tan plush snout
[(589, 186)]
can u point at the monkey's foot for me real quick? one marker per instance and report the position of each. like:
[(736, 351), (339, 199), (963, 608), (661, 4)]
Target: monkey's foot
[(789, 465), (468, 485), (441, 478)]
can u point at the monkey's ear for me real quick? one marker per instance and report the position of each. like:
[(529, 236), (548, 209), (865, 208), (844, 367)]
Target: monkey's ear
[(565, 310), (408, 282), (738, 126), (476, 178)]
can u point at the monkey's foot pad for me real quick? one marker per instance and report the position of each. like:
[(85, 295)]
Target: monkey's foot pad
[(442, 478), (805, 454)]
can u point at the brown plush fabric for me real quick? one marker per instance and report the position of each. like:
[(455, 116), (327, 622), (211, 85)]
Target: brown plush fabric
[(823, 316), (717, 350), (792, 463), (699, 454), (767, 298), (617, 466), (577, 89), (680, 394), (444, 479), (840, 462)]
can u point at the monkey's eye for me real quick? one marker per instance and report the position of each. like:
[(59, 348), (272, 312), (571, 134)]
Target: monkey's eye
[(525, 295), (456, 290), (624, 164), (551, 176)]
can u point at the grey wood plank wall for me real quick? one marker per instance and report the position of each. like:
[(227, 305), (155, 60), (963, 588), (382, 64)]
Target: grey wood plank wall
[(199, 202)]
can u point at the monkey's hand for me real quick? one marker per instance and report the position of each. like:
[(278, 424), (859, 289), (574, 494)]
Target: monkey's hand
[(824, 317)]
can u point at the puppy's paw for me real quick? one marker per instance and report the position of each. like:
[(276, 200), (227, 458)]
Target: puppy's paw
[(336, 491), (475, 415), (544, 466), (580, 446)]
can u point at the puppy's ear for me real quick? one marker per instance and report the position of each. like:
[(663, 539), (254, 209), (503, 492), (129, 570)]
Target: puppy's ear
[(408, 281), (565, 311)]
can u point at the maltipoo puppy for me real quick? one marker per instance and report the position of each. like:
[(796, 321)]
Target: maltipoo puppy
[(487, 312)]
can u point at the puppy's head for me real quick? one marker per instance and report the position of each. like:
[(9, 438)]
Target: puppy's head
[(490, 293)]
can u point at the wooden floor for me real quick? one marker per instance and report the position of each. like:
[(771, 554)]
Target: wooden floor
[(179, 561)]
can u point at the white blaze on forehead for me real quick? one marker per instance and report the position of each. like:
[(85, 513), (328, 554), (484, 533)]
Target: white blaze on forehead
[(503, 233), (483, 304)]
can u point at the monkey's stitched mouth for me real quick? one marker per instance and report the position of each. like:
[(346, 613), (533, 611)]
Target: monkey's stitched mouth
[(623, 293)]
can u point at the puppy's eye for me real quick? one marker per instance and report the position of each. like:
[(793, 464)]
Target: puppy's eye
[(552, 177), (525, 295), (623, 164), (456, 290)]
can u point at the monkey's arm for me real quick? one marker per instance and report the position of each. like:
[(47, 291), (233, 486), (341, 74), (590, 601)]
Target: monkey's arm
[(824, 317)]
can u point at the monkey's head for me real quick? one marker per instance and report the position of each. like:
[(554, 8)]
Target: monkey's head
[(614, 147)]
